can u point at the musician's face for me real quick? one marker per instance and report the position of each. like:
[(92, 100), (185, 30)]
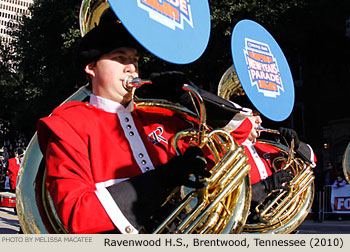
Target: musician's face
[(254, 133), (110, 70), (21, 157)]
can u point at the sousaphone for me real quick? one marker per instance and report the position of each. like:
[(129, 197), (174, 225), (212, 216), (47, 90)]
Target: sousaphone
[(261, 74)]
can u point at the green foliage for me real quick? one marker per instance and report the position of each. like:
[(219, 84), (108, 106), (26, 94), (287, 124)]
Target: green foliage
[(44, 74)]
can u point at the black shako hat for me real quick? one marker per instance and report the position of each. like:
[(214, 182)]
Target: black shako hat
[(107, 36)]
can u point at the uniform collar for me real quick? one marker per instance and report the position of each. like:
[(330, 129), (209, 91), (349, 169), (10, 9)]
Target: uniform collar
[(109, 105), (249, 143)]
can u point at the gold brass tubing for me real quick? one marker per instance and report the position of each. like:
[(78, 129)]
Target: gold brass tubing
[(218, 172), (223, 207), (211, 221), (288, 199), (301, 212), (273, 131), (213, 149), (291, 201), (230, 187), (178, 209), (180, 135), (269, 206), (222, 170), (305, 178), (215, 135), (306, 182), (288, 225), (202, 110), (191, 217), (233, 171)]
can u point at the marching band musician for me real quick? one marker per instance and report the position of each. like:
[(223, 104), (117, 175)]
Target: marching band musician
[(243, 124), (13, 167), (245, 130), (109, 164)]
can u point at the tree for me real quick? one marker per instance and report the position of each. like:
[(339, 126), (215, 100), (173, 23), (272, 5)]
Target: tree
[(41, 58)]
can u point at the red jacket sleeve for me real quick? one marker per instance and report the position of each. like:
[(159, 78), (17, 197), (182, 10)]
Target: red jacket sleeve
[(69, 178), (72, 188)]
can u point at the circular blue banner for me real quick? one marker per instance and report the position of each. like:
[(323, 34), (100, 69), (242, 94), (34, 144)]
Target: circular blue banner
[(176, 31), (262, 70)]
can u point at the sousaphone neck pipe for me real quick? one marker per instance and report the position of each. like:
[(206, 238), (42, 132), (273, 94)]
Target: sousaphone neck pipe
[(130, 82), (273, 131)]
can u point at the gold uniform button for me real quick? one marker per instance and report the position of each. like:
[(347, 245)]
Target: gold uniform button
[(128, 229)]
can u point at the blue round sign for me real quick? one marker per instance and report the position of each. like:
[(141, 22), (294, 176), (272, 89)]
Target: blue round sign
[(176, 31), (262, 70)]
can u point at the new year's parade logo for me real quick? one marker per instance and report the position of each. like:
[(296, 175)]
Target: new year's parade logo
[(171, 13), (263, 69)]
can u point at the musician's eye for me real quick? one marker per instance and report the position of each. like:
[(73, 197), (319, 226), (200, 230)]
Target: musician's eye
[(135, 59), (120, 58), (126, 60)]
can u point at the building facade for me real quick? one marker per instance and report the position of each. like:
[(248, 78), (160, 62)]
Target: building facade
[(11, 12)]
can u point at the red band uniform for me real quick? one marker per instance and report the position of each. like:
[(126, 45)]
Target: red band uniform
[(85, 158), (12, 171), (13, 167), (261, 156), (109, 165)]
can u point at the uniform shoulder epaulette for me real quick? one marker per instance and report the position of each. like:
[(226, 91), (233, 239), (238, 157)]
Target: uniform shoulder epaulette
[(68, 106)]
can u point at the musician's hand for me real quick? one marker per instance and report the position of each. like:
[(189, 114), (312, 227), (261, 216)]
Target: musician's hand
[(290, 134), (140, 197), (178, 169), (277, 179), (173, 80), (165, 85)]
